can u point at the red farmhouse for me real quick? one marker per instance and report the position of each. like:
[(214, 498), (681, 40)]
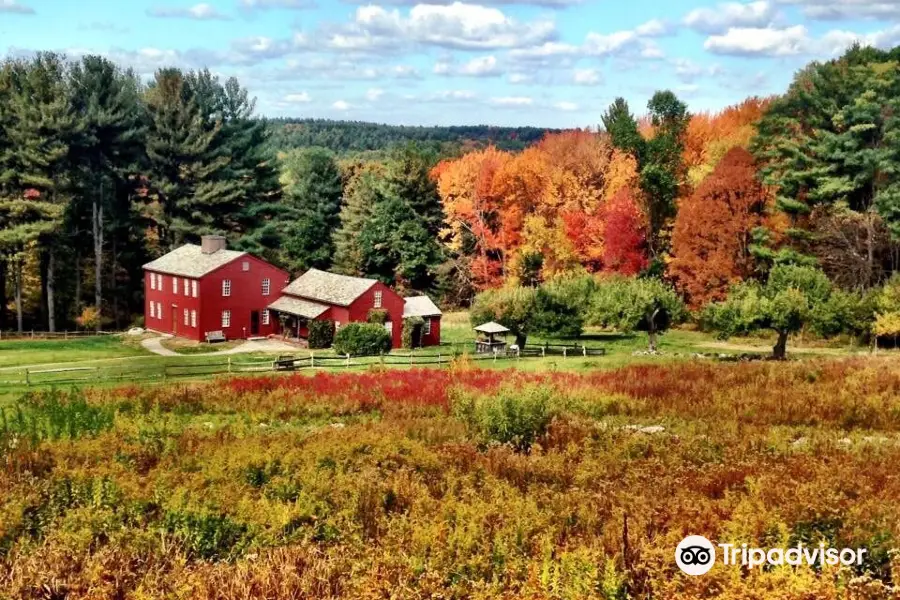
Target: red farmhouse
[(194, 290), (344, 299)]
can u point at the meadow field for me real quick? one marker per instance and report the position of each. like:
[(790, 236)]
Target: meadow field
[(453, 483)]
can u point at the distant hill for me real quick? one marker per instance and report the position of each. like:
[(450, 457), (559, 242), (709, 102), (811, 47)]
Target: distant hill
[(357, 136)]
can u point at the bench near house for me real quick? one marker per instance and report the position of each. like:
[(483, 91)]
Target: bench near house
[(198, 291)]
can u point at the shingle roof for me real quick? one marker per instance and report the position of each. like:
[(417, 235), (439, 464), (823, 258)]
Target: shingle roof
[(420, 306), (299, 307), (189, 261), (492, 327), (329, 287)]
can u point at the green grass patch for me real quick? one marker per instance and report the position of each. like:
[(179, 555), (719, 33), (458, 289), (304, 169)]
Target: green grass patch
[(15, 353)]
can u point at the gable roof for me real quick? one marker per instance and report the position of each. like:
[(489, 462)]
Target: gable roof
[(331, 288), (190, 261), (420, 306), (299, 307), (492, 327)]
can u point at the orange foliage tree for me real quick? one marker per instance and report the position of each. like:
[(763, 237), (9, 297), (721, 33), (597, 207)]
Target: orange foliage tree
[(710, 136), (712, 232), (547, 200)]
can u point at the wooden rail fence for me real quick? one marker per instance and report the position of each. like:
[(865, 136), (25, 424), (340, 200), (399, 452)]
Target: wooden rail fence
[(162, 371)]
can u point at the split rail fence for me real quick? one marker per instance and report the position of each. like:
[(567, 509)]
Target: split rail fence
[(186, 367)]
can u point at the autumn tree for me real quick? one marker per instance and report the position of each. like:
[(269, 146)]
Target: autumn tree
[(712, 235), (624, 249)]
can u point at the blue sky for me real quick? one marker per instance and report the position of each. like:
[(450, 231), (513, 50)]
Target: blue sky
[(552, 63)]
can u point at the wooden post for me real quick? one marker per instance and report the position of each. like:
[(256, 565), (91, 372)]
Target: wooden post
[(564, 351), (32, 334), (439, 359), (584, 349), (348, 360), (229, 364), (543, 351), (312, 359), (410, 356), (27, 378), (381, 354), (66, 334)]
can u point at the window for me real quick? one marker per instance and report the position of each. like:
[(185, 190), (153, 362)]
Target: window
[(265, 316), (378, 299), (226, 287), (337, 325), (245, 265), (193, 318), (159, 310), (153, 308), (194, 288), (187, 287), (426, 329), (267, 285), (226, 318), (186, 317), (174, 285), (152, 281)]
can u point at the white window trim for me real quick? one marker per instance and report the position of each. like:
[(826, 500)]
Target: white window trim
[(226, 288), (194, 288), (193, 318), (226, 318), (265, 316), (245, 266), (174, 284), (426, 328), (187, 317), (266, 286), (187, 287), (152, 281), (152, 309), (378, 299)]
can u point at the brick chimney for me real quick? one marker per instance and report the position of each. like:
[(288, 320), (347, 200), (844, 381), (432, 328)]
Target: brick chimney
[(210, 244)]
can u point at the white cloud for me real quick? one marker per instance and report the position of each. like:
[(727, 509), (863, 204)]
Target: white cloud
[(340, 105), (731, 14), (374, 94), (566, 106), (586, 77), (457, 25), (481, 66), (541, 3), (837, 41), (755, 41), (519, 78), (274, 4), (653, 28), (512, 101), (405, 72), (299, 98), (601, 44), (827, 10), (199, 12), (13, 6)]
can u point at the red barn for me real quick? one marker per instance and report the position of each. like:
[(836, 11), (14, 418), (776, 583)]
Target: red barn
[(344, 299), (194, 290)]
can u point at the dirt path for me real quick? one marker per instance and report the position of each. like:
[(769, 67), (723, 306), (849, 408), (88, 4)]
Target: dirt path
[(155, 346)]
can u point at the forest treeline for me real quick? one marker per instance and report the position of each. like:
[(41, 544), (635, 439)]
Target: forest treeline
[(346, 137), (798, 193)]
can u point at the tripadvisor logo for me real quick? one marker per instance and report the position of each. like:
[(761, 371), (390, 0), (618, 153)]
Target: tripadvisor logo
[(696, 555)]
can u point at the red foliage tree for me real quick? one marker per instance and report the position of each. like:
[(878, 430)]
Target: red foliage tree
[(712, 233), (624, 243)]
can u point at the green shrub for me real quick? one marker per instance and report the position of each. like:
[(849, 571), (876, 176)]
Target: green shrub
[(362, 339), (54, 415), (378, 316), (515, 417), (321, 334), (208, 536)]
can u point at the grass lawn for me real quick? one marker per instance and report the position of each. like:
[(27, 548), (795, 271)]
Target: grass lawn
[(33, 352), (182, 346)]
